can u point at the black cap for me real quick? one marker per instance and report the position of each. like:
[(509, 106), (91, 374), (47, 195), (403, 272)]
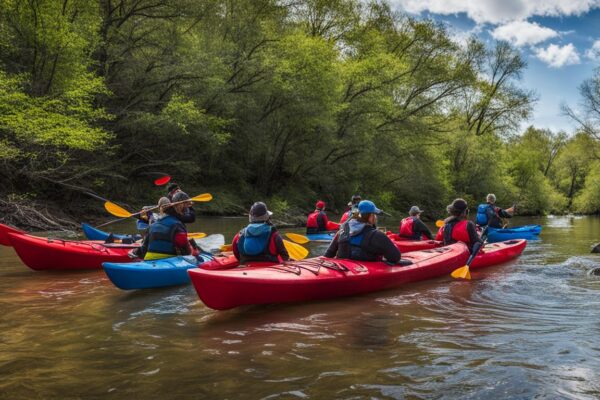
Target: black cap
[(180, 196), (457, 207), (356, 199), (259, 212)]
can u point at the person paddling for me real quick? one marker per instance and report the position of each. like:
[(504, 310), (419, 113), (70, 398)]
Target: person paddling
[(413, 228), (260, 240), (490, 215), (172, 189), (359, 239), (185, 210), (353, 211), (317, 220), (457, 228), (167, 237)]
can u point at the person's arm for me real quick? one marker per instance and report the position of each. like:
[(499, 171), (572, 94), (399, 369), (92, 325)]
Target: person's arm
[(473, 235), (440, 235), (333, 247), (386, 247), (419, 226), (504, 213), (280, 247), (181, 242), (234, 246)]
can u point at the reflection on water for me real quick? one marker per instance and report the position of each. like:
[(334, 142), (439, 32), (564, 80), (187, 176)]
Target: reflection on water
[(529, 328)]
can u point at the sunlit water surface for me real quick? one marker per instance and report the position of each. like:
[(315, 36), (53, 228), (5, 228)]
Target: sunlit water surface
[(529, 328)]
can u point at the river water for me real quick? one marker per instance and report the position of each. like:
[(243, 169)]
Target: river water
[(526, 329)]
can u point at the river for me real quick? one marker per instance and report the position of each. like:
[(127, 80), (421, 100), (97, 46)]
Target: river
[(529, 328)]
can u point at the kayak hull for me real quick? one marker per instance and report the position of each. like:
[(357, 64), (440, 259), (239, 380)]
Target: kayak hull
[(317, 279), (4, 231), (96, 234), (529, 232), (170, 271), (56, 254), (324, 237), (498, 253)]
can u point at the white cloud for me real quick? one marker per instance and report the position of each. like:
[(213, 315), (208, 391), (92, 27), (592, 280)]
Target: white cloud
[(593, 52), (557, 56), (496, 12), (521, 33)]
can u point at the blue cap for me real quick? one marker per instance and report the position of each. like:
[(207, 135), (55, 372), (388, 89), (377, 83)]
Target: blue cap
[(368, 207)]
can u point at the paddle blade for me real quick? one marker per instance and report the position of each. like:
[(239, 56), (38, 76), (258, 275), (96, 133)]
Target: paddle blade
[(202, 197), (196, 235), (439, 223), (461, 273), (297, 238), (226, 247), (163, 180), (295, 251), (116, 210)]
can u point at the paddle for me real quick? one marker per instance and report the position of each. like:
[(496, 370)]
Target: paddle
[(196, 235), (463, 272), (295, 251), (163, 180), (120, 212), (439, 223), (296, 237)]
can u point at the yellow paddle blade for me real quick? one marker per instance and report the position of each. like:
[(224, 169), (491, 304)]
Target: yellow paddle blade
[(202, 197), (298, 238), (116, 210), (439, 223), (295, 251), (226, 247), (461, 273), (196, 235)]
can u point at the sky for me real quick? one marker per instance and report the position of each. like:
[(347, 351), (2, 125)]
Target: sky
[(559, 40)]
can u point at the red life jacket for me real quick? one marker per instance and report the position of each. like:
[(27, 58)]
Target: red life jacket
[(313, 221), (459, 233), (407, 229)]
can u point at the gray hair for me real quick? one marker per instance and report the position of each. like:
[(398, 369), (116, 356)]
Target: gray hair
[(491, 198)]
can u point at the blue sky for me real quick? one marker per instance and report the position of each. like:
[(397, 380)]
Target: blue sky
[(560, 40)]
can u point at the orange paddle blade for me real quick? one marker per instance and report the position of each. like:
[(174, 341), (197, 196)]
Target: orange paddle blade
[(439, 223), (196, 235), (297, 238), (295, 251), (203, 197), (461, 273), (116, 210), (226, 247)]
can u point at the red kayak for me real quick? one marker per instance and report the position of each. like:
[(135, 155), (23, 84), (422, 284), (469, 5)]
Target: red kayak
[(44, 253), (498, 253), (4, 231), (319, 278), (406, 245)]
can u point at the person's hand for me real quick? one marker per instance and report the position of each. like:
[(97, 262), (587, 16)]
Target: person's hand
[(511, 210)]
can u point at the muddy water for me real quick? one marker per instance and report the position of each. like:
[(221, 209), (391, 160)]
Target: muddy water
[(529, 328)]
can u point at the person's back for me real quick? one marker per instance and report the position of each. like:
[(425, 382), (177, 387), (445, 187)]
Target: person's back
[(488, 214), (457, 228), (413, 228), (359, 239), (317, 220), (259, 241)]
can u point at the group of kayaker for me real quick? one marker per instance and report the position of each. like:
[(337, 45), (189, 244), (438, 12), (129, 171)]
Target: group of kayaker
[(358, 238)]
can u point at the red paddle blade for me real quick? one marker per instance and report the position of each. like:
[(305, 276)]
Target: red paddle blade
[(163, 180)]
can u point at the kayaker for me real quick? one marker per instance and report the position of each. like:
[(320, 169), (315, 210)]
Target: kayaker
[(185, 210), (167, 237), (317, 220), (490, 215), (353, 211), (260, 240), (457, 228), (413, 228), (359, 239), (172, 189)]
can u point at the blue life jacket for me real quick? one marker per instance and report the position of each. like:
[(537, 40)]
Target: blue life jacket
[(253, 243), (485, 213), (353, 240), (161, 237)]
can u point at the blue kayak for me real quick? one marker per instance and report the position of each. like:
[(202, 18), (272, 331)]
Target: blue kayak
[(170, 271), (96, 234), (321, 237), (528, 232)]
